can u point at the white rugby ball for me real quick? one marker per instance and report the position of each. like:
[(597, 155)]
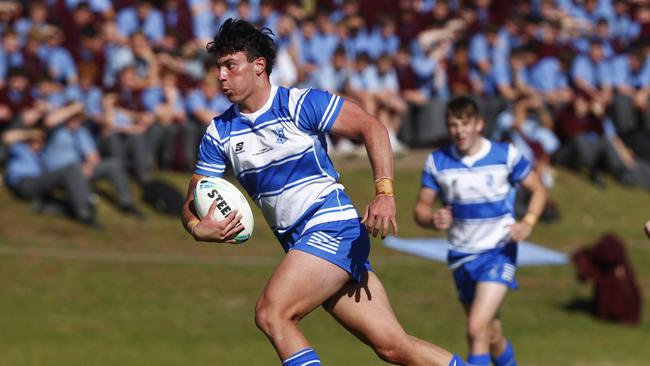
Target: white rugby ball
[(229, 198)]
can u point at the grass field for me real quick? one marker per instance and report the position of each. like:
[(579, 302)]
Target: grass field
[(143, 293)]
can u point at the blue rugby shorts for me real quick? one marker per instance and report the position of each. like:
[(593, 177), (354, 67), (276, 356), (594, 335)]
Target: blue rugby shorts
[(494, 265), (344, 243)]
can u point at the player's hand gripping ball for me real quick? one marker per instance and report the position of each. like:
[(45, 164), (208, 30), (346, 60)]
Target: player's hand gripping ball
[(228, 199)]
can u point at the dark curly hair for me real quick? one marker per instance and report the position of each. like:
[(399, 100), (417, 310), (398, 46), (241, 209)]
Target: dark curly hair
[(237, 35)]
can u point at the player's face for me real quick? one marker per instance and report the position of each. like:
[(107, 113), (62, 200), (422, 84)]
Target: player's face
[(236, 76), (465, 131)]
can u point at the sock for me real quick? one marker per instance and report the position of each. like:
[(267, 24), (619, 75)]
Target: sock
[(456, 361), (303, 357), (479, 360), (507, 358)]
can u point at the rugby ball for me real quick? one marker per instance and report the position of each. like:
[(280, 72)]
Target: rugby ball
[(228, 198)]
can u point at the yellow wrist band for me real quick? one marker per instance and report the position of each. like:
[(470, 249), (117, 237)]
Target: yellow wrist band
[(384, 186), (530, 219)]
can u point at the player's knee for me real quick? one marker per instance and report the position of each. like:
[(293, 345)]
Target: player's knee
[(477, 330), (270, 317), (393, 350)]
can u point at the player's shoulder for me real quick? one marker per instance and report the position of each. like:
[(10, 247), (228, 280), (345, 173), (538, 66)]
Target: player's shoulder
[(500, 148), (221, 125)]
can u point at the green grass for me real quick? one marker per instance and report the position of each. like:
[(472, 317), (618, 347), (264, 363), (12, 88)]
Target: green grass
[(143, 293)]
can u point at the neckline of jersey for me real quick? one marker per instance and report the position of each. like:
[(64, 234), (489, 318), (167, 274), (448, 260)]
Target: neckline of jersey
[(255, 115)]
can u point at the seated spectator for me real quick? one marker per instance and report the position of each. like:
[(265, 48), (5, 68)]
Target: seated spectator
[(124, 133), (588, 137), (142, 17), (203, 104), (27, 177), (592, 74), (529, 126), (10, 55), (71, 144), (549, 78), (167, 104), (408, 81), (18, 108), (58, 60)]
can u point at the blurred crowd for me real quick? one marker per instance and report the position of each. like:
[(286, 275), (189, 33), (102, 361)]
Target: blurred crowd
[(115, 90)]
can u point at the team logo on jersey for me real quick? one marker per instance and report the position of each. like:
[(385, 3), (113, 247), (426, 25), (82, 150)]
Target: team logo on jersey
[(239, 147), (489, 180), (280, 134)]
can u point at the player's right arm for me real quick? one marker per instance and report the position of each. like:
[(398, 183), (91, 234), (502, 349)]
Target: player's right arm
[(426, 216), (208, 229)]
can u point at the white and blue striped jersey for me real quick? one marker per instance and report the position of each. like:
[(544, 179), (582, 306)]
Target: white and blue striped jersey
[(279, 156), (480, 190)]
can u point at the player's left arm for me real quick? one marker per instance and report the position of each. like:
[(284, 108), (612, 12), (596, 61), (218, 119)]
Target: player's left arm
[(355, 123), (520, 230)]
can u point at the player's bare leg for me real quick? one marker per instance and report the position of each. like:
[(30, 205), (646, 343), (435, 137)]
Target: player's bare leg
[(482, 316), (301, 283), (365, 311)]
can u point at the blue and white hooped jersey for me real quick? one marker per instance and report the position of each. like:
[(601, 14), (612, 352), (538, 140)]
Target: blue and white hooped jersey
[(279, 156), (480, 190)]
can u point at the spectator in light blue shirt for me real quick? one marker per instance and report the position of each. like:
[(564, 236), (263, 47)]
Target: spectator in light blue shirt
[(71, 144), (203, 104), (549, 77), (59, 61), (592, 74), (333, 76), (623, 27), (143, 17), (632, 85), (36, 19), (384, 39), (10, 55), (167, 104), (28, 177), (208, 16)]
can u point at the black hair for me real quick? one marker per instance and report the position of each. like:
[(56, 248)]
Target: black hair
[(462, 106), (237, 35)]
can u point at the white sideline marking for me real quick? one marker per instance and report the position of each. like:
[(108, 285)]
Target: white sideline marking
[(157, 258)]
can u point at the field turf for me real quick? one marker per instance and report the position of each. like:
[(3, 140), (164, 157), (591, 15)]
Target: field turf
[(144, 293)]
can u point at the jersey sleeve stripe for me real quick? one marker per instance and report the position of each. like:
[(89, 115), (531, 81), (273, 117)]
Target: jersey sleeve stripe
[(296, 112), (334, 111), (327, 111)]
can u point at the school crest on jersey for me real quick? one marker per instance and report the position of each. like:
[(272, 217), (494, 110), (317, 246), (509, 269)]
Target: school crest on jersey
[(279, 132)]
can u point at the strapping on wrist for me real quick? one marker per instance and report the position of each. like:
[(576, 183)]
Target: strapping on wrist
[(530, 219), (384, 186)]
